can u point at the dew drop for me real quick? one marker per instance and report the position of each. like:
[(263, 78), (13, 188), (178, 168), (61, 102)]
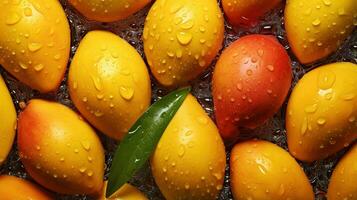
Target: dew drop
[(12, 19), (28, 12), (86, 145), (97, 83), (184, 38), (126, 93), (316, 22), (270, 68), (33, 47), (321, 121), (38, 67)]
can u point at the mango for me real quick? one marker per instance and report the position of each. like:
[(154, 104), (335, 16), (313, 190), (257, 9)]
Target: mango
[(247, 13), (322, 111), (261, 170), (316, 28), (59, 149), (13, 188), (8, 121), (190, 159), (126, 192), (34, 42), (109, 83), (343, 180), (181, 38), (108, 11)]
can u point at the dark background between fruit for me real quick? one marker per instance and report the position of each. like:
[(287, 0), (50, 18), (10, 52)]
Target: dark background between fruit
[(131, 30)]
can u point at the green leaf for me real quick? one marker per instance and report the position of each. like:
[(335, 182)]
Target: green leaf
[(138, 145)]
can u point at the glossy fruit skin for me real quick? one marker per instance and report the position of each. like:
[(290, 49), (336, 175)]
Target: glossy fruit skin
[(34, 42), (321, 112), (59, 150), (261, 170), (250, 83), (181, 38), (108, 11), (126, 192), (12, 188), (189, 161), (316, 28), (343, 180), (8, 121), (136, 148), (247, 12), (109, 83)]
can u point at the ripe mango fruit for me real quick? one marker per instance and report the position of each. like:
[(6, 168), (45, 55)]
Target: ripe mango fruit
[(34, 42), (189, 161), (59, 149), (321, 113), (181, 38), (109, 83), (316, 28), (8, 121)]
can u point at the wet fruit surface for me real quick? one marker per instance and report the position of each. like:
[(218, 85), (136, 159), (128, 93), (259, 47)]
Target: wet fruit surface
[(316, 28), (108, 11), (181, 39), (109, 83), (131, 30), (12, 187), (59, 149), (343, 180), (250, 82), (34, 42), (321, 114), (262, 170), (189, 160), (8, 121), (247, 12)]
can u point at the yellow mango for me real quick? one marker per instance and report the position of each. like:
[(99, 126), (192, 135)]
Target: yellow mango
[(316, 28), (109, 83), (181, 38), (108, 11), (261, 170), (8, 121), (343, 180), (34, 42), (190, 159), (322, 111)]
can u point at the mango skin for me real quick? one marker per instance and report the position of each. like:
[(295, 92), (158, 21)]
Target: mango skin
[(190, 159), (34, 42), (126, 192), (316, 28), (12, 188), (108, 11), (8, 121), (321, 113), (109, 83), (343, 180), (181, 38), (59, 150), (261, 170), (247, 12), (250, 82)]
